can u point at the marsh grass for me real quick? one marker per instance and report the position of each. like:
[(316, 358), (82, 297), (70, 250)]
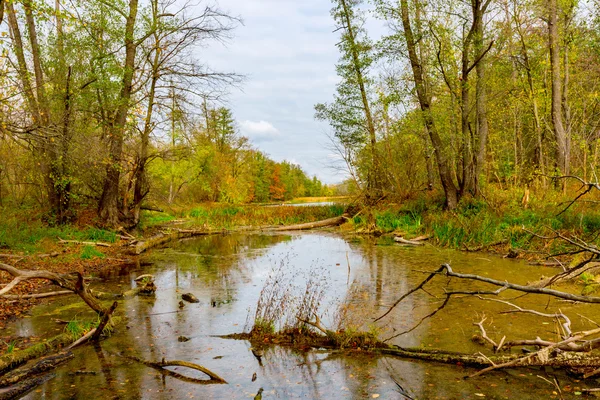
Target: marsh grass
[(282, 304), (499, 218)]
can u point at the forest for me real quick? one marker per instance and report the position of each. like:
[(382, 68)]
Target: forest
[(466, 96), (105, 104)]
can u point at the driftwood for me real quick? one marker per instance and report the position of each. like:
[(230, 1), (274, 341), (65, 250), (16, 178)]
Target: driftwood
[(310, 225), (42, 365), (161, 366), (401, 240), (163, 238), (36, 295), (100, 244), (73, 282)]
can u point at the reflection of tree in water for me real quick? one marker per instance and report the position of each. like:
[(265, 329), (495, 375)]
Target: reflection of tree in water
[(215, 261), (323, 373)]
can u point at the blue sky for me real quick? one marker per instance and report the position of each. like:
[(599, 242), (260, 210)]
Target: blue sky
[(286, 49)]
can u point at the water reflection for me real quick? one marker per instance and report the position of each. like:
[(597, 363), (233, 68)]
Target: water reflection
[(226, 273)]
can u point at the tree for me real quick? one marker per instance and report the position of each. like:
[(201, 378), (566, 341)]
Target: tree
[(425, 99), (350, 115)]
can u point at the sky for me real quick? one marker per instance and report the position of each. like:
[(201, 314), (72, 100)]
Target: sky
[(286, 49)]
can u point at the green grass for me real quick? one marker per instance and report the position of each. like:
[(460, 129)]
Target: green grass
[(478, 223), (22, 230), (90, 252), (78, 328)]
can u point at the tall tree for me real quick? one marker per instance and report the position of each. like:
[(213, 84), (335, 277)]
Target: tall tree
[(351, 114), (424, 98), (560, 134)]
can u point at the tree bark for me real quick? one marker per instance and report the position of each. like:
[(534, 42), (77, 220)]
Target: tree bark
[(108, 209), (562, 148), (450, 190)]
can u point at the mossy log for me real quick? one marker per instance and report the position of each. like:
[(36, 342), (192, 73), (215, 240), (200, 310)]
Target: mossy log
[(20, 357), (45, 364), (20, 389)]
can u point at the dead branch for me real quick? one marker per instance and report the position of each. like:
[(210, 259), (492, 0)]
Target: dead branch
[(588, 186), (83, 339), (484, 335), (36, 295), (542, 355), (401, 240), (161, 366), (446, 270), (100, 244), (73, 282), (566, 325), (105, 320)]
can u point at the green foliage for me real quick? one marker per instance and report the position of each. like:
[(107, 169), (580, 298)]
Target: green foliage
[(78, 328), (10, 347), (90, 252)]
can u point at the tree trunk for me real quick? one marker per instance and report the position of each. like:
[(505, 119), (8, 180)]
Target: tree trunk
[(481, 93), (108, 209), (562, 148), (374, 179), (424, 97)]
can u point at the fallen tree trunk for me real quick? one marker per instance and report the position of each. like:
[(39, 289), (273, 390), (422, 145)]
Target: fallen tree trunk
[(36, 295), (43, 365), (19, 357), (20, 389), (335, 221), (101, 244), (163, 238)]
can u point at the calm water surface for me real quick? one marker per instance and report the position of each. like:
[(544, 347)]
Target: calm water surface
[(227, 274)]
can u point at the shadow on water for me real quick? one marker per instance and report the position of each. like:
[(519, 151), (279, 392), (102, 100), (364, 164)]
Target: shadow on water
[(227, 273)]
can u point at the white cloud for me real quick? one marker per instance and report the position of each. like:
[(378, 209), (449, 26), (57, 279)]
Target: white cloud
[(260, 130)]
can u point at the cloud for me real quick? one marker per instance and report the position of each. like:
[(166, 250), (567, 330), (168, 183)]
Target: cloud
[(259, 131)]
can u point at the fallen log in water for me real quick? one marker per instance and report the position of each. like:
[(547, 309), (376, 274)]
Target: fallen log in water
[(18, 390), (54, 344), (42, 365), (335, 221), (163, 238)]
